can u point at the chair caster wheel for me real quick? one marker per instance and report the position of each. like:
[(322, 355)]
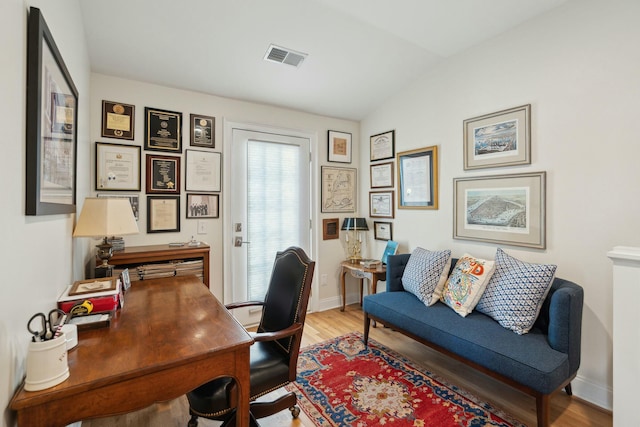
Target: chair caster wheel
[(295, 412), (193, 422)]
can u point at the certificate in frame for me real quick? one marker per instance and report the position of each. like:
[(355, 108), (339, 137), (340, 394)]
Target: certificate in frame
[(382, 146), (204, 171), (381, 175), (163, 214), (501, 209), (381, 204), (163, 174), (117, 167), (382, 230), (339, 147), (118, 120), (51, 125), (163, 130), (203, 131), (203, 206), (418, 178)]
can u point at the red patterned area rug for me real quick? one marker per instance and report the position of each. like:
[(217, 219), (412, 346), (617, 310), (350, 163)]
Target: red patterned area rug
[(342, 383)]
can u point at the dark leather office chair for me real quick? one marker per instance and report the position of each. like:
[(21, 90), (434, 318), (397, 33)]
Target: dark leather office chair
[(274, 354)]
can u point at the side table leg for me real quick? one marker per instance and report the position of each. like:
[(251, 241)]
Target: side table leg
[(343, 273)]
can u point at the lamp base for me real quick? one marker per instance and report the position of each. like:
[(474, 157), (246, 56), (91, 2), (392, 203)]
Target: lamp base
[(105, 252)]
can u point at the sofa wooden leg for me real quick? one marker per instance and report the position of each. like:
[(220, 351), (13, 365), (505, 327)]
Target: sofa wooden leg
[(568, 389), (542, 409)]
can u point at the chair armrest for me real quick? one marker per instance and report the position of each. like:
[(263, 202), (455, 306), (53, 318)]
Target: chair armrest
[(233, 305), (276, 335)]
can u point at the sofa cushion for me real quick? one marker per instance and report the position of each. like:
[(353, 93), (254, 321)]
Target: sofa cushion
[(425, 274), (515, 292), (466, 283), (527, 359)]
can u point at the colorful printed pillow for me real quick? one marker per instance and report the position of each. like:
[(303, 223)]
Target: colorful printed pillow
[(515, 292), (466, 283), (425, 274)]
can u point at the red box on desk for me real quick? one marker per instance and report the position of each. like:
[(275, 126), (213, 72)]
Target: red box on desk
[(102, 301)]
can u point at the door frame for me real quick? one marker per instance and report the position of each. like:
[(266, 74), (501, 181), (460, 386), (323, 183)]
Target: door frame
[(227, 223)]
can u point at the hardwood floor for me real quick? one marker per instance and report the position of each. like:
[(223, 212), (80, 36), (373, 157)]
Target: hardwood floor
[(566, 411)]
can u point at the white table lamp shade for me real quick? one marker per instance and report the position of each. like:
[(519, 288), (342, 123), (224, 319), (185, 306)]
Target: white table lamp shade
[(101, 217)]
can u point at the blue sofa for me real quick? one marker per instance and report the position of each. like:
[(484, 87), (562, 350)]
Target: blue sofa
[(538, 363)]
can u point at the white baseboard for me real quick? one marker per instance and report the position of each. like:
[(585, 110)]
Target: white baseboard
[(594, 393)]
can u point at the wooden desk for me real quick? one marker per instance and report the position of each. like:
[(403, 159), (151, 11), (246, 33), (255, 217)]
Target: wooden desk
[(379, 272), (171, 336)]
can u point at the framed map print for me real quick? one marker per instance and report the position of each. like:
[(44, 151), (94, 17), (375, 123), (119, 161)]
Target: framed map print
[(339, 189)]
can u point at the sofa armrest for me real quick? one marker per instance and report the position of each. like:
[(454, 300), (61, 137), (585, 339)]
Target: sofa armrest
[(395, 269), (562, 313)]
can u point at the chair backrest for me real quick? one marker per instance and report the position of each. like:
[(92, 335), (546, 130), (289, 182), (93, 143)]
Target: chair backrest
[(288, 296)]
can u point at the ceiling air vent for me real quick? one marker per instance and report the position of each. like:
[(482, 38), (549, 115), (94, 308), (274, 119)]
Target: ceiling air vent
[(282, 55)]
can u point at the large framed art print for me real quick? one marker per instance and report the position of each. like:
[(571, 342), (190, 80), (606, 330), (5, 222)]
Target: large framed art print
[(501, 209), (52, 125)]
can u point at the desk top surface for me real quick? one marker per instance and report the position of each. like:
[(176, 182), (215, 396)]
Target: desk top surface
[(164, 323)]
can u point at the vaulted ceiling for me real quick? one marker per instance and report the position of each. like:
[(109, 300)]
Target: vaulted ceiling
[(360, 52)]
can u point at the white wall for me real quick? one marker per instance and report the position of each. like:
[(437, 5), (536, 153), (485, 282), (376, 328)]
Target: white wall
[(328, 254), (578, 69), (37, 252)]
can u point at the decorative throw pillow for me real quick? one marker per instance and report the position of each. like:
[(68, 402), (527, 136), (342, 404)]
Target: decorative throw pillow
[(425, 274), (515, 292), (467, 282)]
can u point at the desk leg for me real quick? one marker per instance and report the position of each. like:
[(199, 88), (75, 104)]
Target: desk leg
[(244, 393), (343, 273)]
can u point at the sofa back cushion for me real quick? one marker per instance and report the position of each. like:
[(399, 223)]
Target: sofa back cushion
[(426, 273), (516, 291)]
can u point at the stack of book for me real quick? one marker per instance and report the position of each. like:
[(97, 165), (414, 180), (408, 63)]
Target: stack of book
[(186, 268)]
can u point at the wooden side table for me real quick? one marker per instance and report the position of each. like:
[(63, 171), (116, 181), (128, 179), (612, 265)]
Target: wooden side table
[(359, 271)]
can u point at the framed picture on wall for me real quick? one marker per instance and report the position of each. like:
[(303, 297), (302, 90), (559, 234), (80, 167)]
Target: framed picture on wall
[(339, 189), (118, 120), (498, 139), (203, 131), (163, 214), (117, 167), (203, 205), (501, 209), (163, 130), (51, 125), (382, 146), (204, 171), (339, 147), (330, 228), (381, 204), (382, 230), (418, 178), (163, 174)]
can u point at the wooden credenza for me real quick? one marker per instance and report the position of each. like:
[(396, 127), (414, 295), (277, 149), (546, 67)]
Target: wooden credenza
[(161, 256)]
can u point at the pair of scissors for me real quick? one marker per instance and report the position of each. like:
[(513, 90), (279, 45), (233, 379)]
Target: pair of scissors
[(43, 327)]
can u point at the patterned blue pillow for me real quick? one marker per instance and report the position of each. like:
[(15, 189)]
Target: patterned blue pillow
[(426, 273), (516, 291)]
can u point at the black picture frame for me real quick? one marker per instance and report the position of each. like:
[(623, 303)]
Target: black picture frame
[(163, 214), (118, 120), (203, 131), (201, 206), (163, 174), (163, 130), (52, 125)]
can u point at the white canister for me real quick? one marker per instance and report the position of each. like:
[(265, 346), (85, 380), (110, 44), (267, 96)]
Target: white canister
[(46, 363)]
